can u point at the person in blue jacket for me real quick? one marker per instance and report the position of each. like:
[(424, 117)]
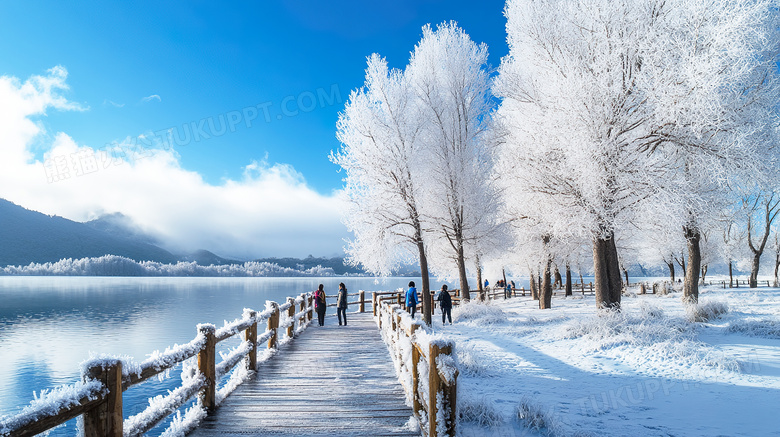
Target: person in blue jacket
[(411, 299)]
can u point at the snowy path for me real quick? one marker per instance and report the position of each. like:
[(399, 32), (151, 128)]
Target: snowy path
[(647, 372), (333, 380)]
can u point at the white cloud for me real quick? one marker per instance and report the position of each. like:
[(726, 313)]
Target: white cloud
[(150, 98), (113, 103), (270, 211)]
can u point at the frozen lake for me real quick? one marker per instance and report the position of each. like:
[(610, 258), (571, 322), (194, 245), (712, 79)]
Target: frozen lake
[(48, 325)]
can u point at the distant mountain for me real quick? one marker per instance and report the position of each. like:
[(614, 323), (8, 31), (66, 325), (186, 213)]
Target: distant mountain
[(120, 225), (206, 258), (28, 236)]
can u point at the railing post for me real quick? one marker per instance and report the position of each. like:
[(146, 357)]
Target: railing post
[(415, 375), (207, 366), (106, 418), (291, 316), (309, 306), (302, 319), (434, 386), (451, 393), (361, 296), (374, 302), (273, 326), (250, 335)]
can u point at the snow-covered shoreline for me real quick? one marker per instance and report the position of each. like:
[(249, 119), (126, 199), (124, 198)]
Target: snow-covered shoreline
[(112, 265), (649, 370)]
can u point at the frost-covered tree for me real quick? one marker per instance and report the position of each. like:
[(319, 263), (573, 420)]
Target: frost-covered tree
[(732, 236), (712, 81), (776, 253), (450, 79), (761, 210), (575, 121), (381, 157), (606, 103)]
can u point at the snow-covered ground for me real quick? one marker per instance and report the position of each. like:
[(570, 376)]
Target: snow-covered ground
[(649, 370)]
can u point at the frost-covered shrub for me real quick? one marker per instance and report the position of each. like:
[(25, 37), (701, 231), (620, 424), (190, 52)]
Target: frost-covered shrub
[(472, 363), (613, 328), (649, 311), (706, 310), (767, 328), (645, 337), (536, 417), (536, 321), (479, 314), (482, 412)]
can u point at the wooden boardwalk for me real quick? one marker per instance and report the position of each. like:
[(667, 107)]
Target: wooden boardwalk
[(332, 381)]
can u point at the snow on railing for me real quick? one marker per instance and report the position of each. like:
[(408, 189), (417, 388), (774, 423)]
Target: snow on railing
[(98, 398), (425, 366), (37, 416)]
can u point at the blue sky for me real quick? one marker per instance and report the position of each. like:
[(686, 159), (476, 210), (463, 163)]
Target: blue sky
[(136, 68), (204, 59)]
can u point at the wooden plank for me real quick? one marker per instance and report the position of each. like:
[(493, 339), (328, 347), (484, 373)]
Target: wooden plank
[(332, 380)]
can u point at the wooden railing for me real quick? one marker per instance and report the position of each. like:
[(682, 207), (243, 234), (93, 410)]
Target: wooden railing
[(744, 282), (427, 369), (361, 302), (98, 397)]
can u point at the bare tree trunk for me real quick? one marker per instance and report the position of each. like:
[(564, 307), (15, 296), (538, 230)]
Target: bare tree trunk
[(568, 280), (479, 280), (606, 272), (777, 267), (539, 280), (754, 269), (704, 268), (625, 273), (464, 280), (691, 287), (545, 300), (770, 207), (681, 262), (426, 285), (731, 275), (558, 279), (532, 285), (671, 270)]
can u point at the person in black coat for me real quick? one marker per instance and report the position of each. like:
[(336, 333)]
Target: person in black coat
[(341, 307), (445, 303)]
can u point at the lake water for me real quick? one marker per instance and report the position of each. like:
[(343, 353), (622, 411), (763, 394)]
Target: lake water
[(48, 325)]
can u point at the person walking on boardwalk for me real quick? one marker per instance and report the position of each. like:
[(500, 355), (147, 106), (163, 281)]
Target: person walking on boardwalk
[(320, 304), (341, 300), (411, 299), (445, 303)]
